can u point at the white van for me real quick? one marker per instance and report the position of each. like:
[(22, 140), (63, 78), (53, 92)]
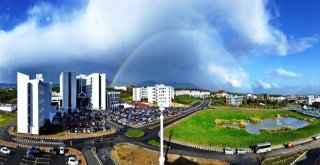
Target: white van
[(263, 147)]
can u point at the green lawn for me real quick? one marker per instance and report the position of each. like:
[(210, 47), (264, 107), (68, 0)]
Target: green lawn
[(185, 99), (154, 142), (6, 118), (135, 133), (201, 129)]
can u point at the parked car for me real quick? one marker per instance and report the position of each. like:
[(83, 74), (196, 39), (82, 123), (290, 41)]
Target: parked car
[(241, 151), (73, 161), (228, 151), (54, 151), (316, 137), (33, 152), (290, 145), (5, 150), (61, 150)]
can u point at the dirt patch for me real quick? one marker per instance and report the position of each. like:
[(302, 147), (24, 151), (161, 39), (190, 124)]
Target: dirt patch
[(125, 153)]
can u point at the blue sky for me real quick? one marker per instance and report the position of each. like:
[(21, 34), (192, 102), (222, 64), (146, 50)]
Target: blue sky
[(262, 46)]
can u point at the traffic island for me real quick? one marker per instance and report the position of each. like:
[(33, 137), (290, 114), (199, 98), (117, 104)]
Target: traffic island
[(135, 133)]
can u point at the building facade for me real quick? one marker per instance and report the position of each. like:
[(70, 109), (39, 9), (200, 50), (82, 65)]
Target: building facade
[(113, 100), (312, 99), (96, 90), (234, 100), (68, 91), (124, 88), (34, 103), (160, 94), (193, 93)]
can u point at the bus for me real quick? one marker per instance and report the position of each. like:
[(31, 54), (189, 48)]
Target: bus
[(263, 147)]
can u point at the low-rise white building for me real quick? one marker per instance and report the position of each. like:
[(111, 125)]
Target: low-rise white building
[(160, 94), (193, 93), (34, 103), (124, 88), (8, 107)]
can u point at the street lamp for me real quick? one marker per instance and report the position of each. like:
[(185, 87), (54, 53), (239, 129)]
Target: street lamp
[(161, 159)]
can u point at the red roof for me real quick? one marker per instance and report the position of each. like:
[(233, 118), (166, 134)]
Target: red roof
[(221, 91), (140, 104)]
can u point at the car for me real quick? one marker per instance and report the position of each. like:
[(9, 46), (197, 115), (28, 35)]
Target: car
[(73, 161), (241, 151), (290, 145), (5, 150), (61, 150), (54, 151), (228, 151), (33, 152), (316, 137)]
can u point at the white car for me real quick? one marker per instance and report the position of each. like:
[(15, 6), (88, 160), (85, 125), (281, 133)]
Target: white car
[(228, 151), (5, 150), (73, 161), (241, 151), (316, 137), (61, 150)]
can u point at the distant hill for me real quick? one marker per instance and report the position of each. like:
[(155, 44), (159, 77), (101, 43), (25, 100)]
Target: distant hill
[(5, 85)]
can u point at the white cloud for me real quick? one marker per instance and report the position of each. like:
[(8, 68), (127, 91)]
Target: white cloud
[(266, 85), (282, 73), (107, 31), (236, 77)]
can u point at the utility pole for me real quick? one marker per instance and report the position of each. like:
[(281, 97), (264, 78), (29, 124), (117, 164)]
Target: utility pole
[(161, 159)]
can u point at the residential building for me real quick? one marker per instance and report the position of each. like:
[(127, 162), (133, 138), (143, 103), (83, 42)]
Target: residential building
[(234, 100), (113, 100), (182, 92), (34, 103), (160, 94), (68, 91), (124, 88)]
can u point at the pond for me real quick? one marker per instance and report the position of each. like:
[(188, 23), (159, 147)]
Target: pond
[(272, 124)]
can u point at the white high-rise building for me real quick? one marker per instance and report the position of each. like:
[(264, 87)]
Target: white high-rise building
[(96, 90), (160, 94), (34, 103), (68, 88)]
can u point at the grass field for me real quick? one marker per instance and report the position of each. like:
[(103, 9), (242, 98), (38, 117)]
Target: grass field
[(125, 154), (186, 100), (154, 142), (135, 133), (6, 118), (201, 129)]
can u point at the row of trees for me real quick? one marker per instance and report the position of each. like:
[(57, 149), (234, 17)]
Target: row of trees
[(8, 96)]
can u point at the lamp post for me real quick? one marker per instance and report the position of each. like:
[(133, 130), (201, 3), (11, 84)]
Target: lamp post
[(161, 159)]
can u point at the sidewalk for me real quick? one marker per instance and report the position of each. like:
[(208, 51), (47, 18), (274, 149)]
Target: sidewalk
[(65, 136)]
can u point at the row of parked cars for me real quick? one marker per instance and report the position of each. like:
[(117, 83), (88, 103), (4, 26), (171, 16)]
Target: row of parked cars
[(86, 122)]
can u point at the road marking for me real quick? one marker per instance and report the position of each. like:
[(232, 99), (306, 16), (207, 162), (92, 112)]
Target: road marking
[(4, 155), (3, 158), (43, 163), (23, 163), (35, 161), (1, 163), (43, 158), (25, 160)]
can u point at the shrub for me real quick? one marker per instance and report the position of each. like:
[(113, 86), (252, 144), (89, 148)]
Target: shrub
[(218, 122), (242, 124), (255, 120)]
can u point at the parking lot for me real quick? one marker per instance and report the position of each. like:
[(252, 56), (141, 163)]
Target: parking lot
[(18, 157), (139, 116), (85, 121)]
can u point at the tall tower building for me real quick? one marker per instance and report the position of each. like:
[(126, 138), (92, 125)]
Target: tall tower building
[(34, 103), (96, 90), (68, 90)]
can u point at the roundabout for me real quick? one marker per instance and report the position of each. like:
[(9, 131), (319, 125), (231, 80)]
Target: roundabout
[(203, 129), (135, 133)]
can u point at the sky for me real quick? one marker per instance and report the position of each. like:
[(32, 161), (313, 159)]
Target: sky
[(261, 46)]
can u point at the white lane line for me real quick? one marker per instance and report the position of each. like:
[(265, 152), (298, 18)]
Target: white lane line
[(43, 163), (43, 158), (3, 158)]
